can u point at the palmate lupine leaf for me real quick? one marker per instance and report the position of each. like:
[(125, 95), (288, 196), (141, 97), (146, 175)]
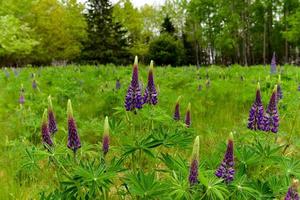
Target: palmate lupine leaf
[(179, 187), (89, 180), (145, 186), (240, 189), (177, 164)]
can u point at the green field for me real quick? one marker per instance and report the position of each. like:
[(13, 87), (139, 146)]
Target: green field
[(149, 153)]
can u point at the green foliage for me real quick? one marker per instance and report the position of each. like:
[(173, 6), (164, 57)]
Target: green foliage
[(166, 50)]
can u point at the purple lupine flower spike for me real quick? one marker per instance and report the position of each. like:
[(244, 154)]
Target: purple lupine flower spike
[(292, 193), (226, 168), (51, 117), (22, 98), (273, 64), (188, 116), (177, 110), (256, 113), (279, 90), (193, 175), (73, 137), (118, 84), (134, 98), (150, 95), (105, 139), (6, 73), (46, 139), (299, 87), (271, 117)]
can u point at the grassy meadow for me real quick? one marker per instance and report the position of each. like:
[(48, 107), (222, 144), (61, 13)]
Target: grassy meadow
[(149, 153)]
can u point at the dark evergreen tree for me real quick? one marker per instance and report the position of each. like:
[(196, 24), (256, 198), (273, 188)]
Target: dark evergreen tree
[(167, 26), (106, 42)]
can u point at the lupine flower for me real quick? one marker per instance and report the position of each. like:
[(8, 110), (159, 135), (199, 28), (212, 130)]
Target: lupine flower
[(188, 116), (273, 64), (51, 117), (256, 113), (22, 98), (34, 84), (279, 90), (118, 84), (134, 98), (73, 137), (105, 139), (150, 95), (271, 118), (46, 139), (207, 83), (193, 175), (226, 168), (6, 72), (292, 193), (177, 110)]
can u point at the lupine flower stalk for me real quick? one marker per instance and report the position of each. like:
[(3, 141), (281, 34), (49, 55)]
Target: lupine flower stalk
[(22, 98), (292, 193), (271, 117), (177, 110), (105, 139), (150, 95), (118, 84), (279, 90), (133, 99), (188, 116), (51, 117), (193, 175), (73, 137), (46, 139), (226, 168), (273, 64), (256, 113)]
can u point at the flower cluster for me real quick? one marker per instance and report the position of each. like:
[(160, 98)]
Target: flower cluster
[(226, 168), (292, 193), (150, 95), (51, 117), (105, 138), (260, 120), (46, 138), (73, 137), (273, 64), (193, 174)]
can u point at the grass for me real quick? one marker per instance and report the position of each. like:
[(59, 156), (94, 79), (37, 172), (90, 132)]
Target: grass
[(25, 167)]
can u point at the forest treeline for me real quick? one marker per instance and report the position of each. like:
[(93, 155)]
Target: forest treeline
[(179, 32)]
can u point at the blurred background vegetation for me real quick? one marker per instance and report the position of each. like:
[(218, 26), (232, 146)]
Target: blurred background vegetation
[(178, 32)]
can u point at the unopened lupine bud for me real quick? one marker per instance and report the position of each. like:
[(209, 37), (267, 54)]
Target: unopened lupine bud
[(226, 168), (105, 139), (271, 117), (292, 193), (46, 139), (150, 95), (273, 64), (51, 117), (193, 174), (134, 98), (177, 110), (256, 113), (73, 137), (188, 116)]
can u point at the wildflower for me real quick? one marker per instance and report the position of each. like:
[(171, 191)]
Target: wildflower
[(22, 98), (299, 87), (73, 137), (226, 168), (273, 64), (150, 95), (6, 72), (193, 175), (46, 139), (105, 139), (134, 98), (188, 116), (118, 84), (292, 193), (271, 118), (51, 117), (177, 110), (279, 90), (256, 113)]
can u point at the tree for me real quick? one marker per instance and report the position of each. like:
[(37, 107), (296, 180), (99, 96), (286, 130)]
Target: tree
[(166, 50), (167, 26), (104, 35)]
